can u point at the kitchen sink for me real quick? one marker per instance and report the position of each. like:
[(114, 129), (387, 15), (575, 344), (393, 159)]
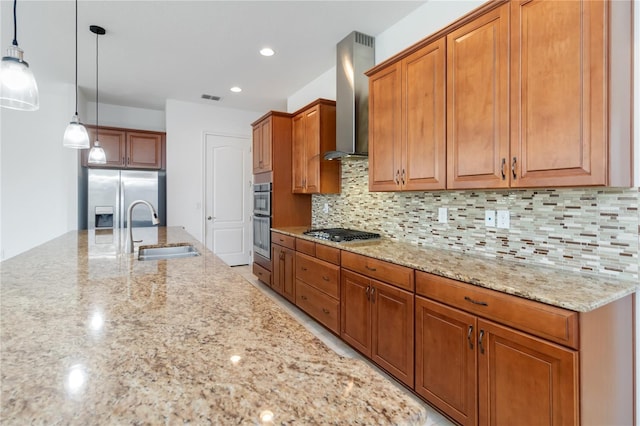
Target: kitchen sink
[(173, 251)]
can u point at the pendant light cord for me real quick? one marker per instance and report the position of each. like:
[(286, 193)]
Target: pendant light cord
[(76, 58), (97, 131), (15, 24)]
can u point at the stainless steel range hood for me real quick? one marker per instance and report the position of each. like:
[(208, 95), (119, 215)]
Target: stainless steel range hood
[(355, 55)]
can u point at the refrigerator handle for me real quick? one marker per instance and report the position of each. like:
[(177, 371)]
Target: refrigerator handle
[(122, 208)]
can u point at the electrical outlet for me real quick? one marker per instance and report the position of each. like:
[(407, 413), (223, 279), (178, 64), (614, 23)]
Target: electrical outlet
[(325, 209), (503, 220), (490, 218), (442, 215)]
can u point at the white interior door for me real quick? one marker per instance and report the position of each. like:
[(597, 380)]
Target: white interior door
[(228, 231)]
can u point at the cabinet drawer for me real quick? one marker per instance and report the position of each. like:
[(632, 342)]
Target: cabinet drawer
[(307, 247), (397, 275), (283, 240), (323, 308), (549, 322), (330, 254), (263, 274), (319, 274)]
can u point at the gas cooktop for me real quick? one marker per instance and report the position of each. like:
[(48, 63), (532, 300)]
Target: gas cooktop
[(341, 234)]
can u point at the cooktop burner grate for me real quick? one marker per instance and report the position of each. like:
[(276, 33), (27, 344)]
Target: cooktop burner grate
[(341, 234)]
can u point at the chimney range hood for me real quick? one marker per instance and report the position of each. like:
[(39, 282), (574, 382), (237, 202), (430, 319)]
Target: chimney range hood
[(355, 55)]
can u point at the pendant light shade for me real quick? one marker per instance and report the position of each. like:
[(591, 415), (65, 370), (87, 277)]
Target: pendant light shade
[(76, 136), (97, 154), (18, 88)]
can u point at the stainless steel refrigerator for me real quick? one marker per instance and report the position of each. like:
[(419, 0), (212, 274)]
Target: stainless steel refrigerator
[(110, 192)]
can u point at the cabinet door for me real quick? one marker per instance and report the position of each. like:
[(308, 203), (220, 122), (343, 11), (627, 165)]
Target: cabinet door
[(288, 275), (384, 129), (266, 146), (144, 150), (446, 359), (478, 103), (298, 153), (257, 148), (355, 308), (114, 144), (278, 268), (523, 377), (558, 71), (424, 125), (392, 330), (312, 150)]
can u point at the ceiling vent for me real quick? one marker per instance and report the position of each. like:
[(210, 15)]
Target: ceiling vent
[(211, 97)]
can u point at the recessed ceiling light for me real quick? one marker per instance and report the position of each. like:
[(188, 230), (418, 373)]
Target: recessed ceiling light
[(267, 51), (236, 89)]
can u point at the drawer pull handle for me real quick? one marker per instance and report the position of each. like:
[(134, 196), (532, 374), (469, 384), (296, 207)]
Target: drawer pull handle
[(303, 297), (475, 302), (469, 337), (480, 341), (370, 268), (367, 292), (325, 310), (326, 278)]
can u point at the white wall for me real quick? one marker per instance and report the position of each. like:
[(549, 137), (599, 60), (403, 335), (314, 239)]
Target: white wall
[(38, 176), (126, 117), (322, 87), (186, 124)]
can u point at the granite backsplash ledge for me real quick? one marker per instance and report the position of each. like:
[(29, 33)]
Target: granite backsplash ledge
[(590, 230)]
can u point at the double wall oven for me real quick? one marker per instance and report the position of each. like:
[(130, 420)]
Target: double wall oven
[(262, 219)]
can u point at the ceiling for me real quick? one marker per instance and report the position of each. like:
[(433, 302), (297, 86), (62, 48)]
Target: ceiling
[(158, 50)]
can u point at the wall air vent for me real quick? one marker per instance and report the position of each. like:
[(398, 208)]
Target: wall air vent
[(211, 97), (364, 39)]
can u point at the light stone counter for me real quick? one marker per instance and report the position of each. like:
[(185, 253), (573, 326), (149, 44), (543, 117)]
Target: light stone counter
[(566, 289), (90, 335)]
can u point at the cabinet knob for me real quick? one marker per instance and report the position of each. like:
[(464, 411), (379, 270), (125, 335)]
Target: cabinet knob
[(325, 310)]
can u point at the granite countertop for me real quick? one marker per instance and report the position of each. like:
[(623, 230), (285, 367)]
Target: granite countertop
[(565, 289), (90, 335)]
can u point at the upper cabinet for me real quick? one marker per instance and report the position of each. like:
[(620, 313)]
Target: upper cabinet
[(271, 133), (407, 122), (538, 94), (126, 148), (313, 134), (478, 102)]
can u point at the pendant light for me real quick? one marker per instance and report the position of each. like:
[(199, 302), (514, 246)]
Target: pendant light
[(97, 155), (18, 88), (76, 136)]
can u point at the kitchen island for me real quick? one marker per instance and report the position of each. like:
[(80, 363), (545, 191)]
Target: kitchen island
[(90, 335)]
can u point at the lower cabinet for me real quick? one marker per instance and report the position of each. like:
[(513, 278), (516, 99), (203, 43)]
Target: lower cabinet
[(479, 372), (318, 290), (282, 275), (377, 320)]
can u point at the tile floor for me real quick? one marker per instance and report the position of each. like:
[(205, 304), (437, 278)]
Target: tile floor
[(333, 342)]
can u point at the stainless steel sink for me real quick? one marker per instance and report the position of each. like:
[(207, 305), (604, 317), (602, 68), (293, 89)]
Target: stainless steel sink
[(174, 251)]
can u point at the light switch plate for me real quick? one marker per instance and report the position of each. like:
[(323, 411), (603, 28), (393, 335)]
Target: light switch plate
[(490, 218), (325, 209), (442, 215), (503, 219)]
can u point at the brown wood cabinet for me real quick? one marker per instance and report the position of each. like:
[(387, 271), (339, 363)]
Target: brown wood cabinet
[(478, 102), (283, 273), (318, 290), (538, 95), (488, 358), (314, 133), (127, 148), (377, 320), (271, 138), (407, 137)]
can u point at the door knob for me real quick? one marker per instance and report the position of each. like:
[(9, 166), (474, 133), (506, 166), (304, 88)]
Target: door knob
[(209, 218)]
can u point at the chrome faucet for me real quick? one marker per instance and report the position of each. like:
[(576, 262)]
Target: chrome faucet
[(128, 246)]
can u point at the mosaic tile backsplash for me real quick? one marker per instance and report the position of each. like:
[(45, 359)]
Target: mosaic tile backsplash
[(590, 230)]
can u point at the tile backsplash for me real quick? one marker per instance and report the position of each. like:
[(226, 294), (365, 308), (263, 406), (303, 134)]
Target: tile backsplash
[(591, 230)]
